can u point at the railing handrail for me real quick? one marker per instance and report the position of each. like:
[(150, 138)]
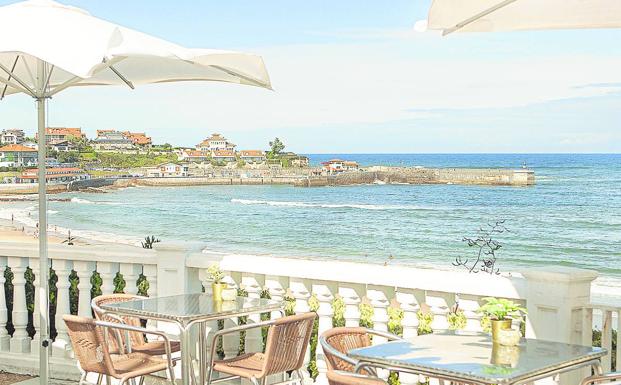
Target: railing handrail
[(90, 253), (402, 276)]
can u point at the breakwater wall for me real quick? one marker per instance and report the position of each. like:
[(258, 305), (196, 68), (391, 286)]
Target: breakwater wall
[(395, 175), (204, 181)]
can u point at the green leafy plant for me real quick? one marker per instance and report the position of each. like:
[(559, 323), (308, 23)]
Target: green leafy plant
[(338, 312), (366, 315), (501, 309), (313, 304), (425, 319), (214, 273), (456, 318), (149, 242)]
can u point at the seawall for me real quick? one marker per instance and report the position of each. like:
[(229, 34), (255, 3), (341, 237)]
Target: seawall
[(395, 175)]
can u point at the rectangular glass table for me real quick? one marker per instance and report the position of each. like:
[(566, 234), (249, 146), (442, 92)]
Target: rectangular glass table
[(474, 359), (187, 310)]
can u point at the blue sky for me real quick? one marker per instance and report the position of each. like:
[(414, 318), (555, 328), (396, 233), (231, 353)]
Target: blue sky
[(353, 76)]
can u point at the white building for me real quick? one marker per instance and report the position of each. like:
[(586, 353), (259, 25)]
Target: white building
[(167, 170), (12, 136), (111, 140), (215, 142)]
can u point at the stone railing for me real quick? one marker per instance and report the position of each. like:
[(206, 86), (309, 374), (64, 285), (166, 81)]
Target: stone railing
[(401, 299)]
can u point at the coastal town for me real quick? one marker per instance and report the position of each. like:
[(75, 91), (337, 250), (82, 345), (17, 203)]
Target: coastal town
[(115, 158), (114, 153)]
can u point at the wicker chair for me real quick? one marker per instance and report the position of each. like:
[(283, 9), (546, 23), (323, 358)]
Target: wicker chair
[(339, 377), (336, 342), (90, 341), (287, 342), (137, 340)]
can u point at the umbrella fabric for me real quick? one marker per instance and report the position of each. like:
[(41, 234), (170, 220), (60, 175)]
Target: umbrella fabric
[(514, 15), (85, 50)]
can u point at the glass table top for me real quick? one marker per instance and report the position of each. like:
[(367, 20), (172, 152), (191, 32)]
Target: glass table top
[(473, 357), (192, 307)]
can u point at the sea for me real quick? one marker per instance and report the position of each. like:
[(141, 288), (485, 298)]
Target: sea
[(571, 217)]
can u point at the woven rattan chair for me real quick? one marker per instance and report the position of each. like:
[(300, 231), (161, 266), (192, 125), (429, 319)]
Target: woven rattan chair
[(90, 341), (137, 340), (339, 377), (336, 342), (287, 342)]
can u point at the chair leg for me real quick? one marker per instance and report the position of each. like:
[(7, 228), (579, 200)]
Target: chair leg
[(252, 379), (108, 380), (99, 378)]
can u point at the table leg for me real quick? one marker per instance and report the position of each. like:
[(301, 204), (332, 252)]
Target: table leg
[(202, 346), (597, 368), (186, 355)]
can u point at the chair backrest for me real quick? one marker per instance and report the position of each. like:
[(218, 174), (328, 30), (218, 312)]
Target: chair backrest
[(287, 342), (136, 338), (89, 344), (344, 339)]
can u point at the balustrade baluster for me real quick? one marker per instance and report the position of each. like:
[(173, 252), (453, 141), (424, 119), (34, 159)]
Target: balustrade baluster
[(277, 287), (440, 305), (253, 284), (107, 271), (150, 273), (20, 342), (5, 338), (36, 340), (62, 346), (130, 272), (379, 297), (469, 304), (84, 270), (230, 342), (409, 300), (324, 291), (301, 290), (352, 294)]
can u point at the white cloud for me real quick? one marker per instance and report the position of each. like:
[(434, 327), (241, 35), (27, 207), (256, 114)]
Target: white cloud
[(331, 85)]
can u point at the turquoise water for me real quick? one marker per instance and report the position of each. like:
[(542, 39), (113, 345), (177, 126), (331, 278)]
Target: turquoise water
[(571, 217)]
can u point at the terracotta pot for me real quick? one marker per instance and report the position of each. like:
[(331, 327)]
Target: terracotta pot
[(216, 289), (499, 325)]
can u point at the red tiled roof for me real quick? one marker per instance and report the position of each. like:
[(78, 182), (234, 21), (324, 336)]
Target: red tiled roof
[(16, 148), (223, 154), (253, 153)]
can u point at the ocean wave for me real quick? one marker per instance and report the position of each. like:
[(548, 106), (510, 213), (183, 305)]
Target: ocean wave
[(327, 205), (87, 202)]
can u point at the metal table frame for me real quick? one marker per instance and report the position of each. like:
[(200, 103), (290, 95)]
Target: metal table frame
[(592, 361), (185, 323)]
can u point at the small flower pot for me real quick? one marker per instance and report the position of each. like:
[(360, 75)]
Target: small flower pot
[(216, 289), (498, 325)]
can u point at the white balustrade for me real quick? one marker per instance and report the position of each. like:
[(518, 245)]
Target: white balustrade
[(410, 289)]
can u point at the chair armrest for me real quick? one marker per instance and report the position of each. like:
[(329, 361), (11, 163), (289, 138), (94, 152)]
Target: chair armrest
[(615, 376), (124, 327), (388, 336)]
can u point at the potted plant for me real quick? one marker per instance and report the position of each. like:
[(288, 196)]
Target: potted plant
[(501, 313), (216, 275)]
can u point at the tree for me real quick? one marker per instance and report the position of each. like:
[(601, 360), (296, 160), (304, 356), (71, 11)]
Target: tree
[(276, 147)]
